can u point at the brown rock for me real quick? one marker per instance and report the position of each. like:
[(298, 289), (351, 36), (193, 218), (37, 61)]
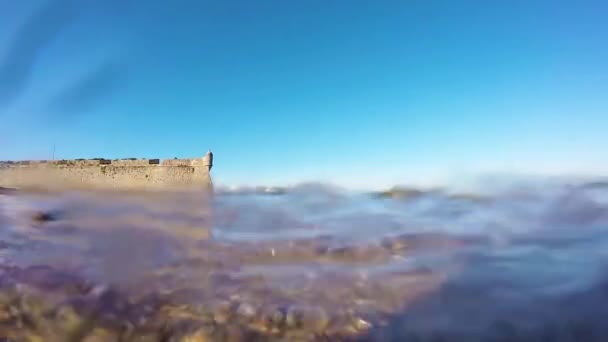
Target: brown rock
[(222, 312), (200, 335), (313, 319), (101, 335), (246, 311)]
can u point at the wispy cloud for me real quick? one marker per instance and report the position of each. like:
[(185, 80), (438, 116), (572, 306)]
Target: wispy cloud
[(35, 34), (87, 91)]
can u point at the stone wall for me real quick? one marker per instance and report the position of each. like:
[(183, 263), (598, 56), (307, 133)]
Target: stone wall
[(177, 162), (140, 174)]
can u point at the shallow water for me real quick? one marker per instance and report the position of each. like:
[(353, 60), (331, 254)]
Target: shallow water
[(525, 263)]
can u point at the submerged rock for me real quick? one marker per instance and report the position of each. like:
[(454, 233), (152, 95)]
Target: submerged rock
[(246, 311), (313, 319), (399, 193), (7, 191), (101, 335), (45, 216)]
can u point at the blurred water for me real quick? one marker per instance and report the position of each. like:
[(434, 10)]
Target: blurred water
[(436, 262)]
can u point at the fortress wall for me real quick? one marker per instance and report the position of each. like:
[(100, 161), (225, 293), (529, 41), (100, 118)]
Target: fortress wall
[(143, 174), (136, 162), (83, 162), (177, 162)]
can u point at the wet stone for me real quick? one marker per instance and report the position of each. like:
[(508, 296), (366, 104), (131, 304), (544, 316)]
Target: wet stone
[(394, 245), (321, 250), (269, 320), (200, 335), (45, 216), (222, 312), (190, 330), (101, 335), (246, 311), (307, 318), (5, 315), (67, 319), (360, 324), (206, 317), (110, 301), (299, 336), (29, 337), (33, 303), (276, 318), (231, 333), (145, 337), (342, 252), (46, 278)]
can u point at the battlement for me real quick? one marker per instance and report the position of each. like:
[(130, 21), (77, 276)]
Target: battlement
[(102, 161), (128, 173)]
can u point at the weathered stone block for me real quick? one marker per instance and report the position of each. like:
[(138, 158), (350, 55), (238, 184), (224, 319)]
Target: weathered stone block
[(177, 162)]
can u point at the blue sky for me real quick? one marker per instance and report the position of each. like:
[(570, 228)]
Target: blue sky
[(356, 93)]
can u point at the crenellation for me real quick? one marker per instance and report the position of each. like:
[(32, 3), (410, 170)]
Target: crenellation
[(131, 162)]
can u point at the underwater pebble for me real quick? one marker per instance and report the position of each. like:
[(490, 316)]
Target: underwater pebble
[(246, 311), (45, 216), (307, 318)]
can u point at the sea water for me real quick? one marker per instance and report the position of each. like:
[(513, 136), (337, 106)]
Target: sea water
[(521, 263)]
